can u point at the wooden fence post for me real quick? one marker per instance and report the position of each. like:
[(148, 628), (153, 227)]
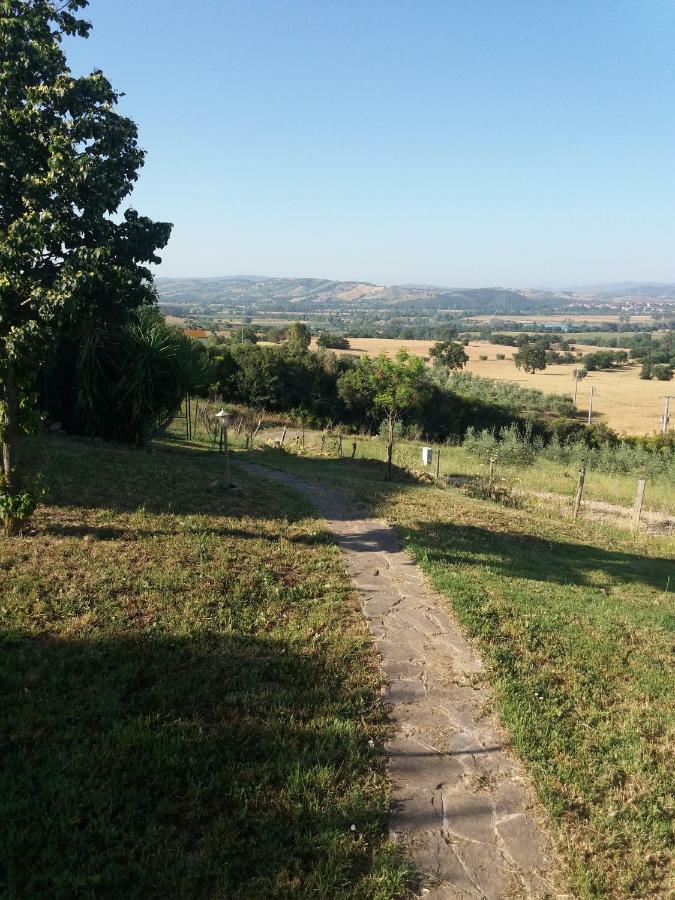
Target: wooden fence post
[(639, 497), (353, 449), (340, 445), (438, 461), (323, 441), (283, 436), (580, 491), (491, 472)]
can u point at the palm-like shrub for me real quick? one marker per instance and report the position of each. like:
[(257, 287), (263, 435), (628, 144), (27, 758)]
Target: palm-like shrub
[(124, 383)]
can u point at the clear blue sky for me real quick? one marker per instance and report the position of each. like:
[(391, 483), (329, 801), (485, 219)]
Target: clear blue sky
[(457, 142)]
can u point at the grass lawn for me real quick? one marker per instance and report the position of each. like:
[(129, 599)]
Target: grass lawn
[(189, 701), (575, 620), (542, 476)]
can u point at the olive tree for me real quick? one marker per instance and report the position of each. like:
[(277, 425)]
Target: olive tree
[(68, 160)]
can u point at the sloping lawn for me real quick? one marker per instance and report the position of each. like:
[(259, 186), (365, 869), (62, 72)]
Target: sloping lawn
[(575, 620), (189, 703)]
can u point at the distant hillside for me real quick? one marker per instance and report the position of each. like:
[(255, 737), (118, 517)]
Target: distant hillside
[(262, 293)]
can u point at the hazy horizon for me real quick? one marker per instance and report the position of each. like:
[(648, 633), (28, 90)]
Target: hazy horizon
[(427, 284)]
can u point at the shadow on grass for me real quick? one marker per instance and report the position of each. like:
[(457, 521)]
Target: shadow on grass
[(515, 554), (182, 766), (113, 533), (122, 479), (522, 555)]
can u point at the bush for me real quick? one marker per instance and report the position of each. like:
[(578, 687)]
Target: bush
[(510, 445), (15, 509), (501, 356), (483, 358), (513, 446), (329, 341), (662, 372)]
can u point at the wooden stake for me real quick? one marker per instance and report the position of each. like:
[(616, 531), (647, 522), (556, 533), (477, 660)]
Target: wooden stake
[(580, 491), (340, 445), (438, 462), (637, 508), (283, 436), (353, 449), (491, 472)]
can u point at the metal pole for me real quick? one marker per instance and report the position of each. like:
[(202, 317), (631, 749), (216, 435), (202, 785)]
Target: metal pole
[(590, 407), (666, 416), (227, 462)]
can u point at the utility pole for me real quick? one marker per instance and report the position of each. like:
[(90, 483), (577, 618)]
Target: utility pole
[(590, 407), (666, 409)]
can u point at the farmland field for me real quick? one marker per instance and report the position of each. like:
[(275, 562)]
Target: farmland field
[(621, 399)]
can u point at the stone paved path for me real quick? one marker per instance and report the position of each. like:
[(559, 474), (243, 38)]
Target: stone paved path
[(463, 805)]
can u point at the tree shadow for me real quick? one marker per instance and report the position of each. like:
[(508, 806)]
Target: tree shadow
[(521, 555), (176, 480), (193, 766), (116, 533)]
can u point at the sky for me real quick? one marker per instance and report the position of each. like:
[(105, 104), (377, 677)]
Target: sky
[(522, 143)]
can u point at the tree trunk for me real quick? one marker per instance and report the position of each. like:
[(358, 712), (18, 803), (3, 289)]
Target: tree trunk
[(9, 444), (390, 445)]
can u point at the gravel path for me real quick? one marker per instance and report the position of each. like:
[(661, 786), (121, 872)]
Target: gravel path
[(463, 805)]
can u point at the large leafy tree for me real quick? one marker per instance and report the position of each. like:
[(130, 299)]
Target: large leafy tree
[(530, 357), (449, 354), (68, 160), (389, 387), (298, 335)]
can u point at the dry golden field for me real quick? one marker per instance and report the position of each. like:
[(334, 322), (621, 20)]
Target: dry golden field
[(621, 399)]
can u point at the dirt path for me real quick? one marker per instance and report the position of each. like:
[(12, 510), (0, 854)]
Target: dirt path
[(463, 805)]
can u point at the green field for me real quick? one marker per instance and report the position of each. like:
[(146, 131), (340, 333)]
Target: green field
[(190, 702), (575, 621)]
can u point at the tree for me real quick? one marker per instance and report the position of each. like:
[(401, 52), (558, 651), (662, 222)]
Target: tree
[(449, 354), (391, 387), (329, 341), (530, 357), (67, 161), (662, 372), (245, 334), (298, 335)]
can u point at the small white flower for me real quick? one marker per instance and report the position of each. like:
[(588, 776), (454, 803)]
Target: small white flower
[(352, 827), (371, 743)]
